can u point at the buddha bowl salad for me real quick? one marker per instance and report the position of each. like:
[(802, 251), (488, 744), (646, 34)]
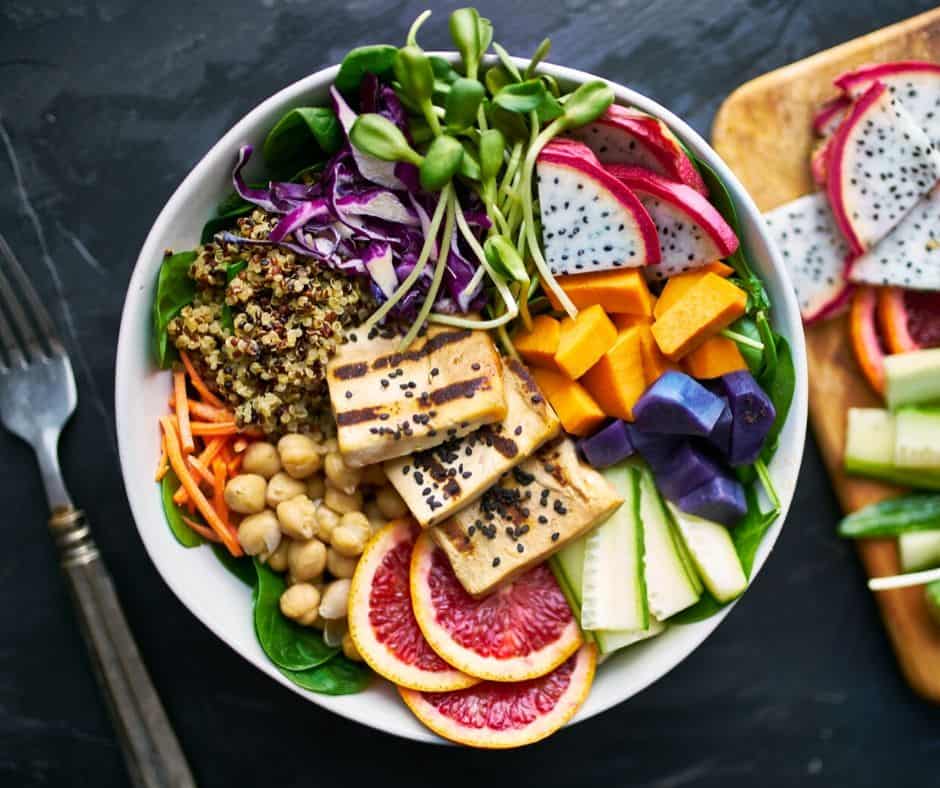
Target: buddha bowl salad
[(477, 389)]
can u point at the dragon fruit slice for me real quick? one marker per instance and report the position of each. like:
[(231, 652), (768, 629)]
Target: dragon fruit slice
[(909, 256), (691, 232), (590, 220), (814, 252), (627, 136), (915, 83), (830, 115), (880, 163), (819, 161)]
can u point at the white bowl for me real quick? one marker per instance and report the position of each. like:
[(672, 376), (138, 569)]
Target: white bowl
[(218, 599)]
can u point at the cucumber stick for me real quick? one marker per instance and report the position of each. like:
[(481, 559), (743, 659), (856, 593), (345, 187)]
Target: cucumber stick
[(672, 583), (917, 439), (613, 587), (919, 550), (611, 640), (870, 448), (713, 553)]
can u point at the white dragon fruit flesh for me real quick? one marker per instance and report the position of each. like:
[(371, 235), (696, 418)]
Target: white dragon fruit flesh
[(691, 231), (814, 253), (590, 221), (627, 136), (880, 163), (916, 84), (909, 256)]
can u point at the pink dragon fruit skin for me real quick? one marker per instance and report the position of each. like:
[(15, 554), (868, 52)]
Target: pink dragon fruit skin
[(691, 231), (814, 252), (880, 163), (590, 220), (830, 115), (627, 136), (915, 83)]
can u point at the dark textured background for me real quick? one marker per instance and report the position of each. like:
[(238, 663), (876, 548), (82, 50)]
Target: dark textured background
[(105, 106)]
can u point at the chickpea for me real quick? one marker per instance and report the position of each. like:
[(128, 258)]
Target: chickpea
[(277, 560), (342, 502), (306, 560), (327, 520), (299, 455), (390, 503), (301, 603), (373, 475), (375, 517), (261, 458), (330, 444), (316, 488), (339, 565), (349, 649), (245, 493), (334, 603), (282, 488), (350, 537), (298, 517), (340, 475), (260, 533)]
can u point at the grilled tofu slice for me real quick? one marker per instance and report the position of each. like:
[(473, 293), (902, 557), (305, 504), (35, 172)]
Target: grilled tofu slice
[(535, 509), (389, 404), (437, 482)]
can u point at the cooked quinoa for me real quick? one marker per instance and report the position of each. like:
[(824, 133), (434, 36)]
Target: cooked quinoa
[(266, 350)]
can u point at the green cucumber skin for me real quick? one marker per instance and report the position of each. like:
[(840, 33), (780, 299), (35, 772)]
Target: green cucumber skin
[(923, 480), (932, 595), (893, 517)]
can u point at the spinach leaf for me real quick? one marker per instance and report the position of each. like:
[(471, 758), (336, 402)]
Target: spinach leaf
[(303, 136), (749, 282), (288, 645), (174, 291), (753, 356), (226, 213), (227, 319), (893, 517), (747, 536), (780, 390), (374, 59), (241, 568), (338, 676), (185, 535)]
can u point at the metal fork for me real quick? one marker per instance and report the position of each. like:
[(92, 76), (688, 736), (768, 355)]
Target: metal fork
[(37, 397)]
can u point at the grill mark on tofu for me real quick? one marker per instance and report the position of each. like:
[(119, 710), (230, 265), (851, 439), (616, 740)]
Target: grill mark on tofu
[(351, 371), (505, 446), (437, 342), (462, 388), (358, 416)]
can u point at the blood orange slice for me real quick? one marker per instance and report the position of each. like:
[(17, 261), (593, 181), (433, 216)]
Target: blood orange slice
[(497, 715), (381, 621), (909, 319), (866, 343), (521, 631)]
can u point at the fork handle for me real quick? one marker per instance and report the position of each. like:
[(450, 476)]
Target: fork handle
[(153, 755)]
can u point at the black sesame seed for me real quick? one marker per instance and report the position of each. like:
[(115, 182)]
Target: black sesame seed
[(520, 548), (496, 561), (555, 536)]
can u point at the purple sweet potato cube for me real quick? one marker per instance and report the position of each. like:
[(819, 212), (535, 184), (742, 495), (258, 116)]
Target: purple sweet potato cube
[(752, 415), (721, 500), (607, 446), (677, 404), (688, 469)]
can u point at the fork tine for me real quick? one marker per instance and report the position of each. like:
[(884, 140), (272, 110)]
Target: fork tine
[(10, 344), (46, 326), (31, 345)]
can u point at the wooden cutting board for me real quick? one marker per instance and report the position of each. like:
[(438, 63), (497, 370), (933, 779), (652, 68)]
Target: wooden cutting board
[(763, 131)]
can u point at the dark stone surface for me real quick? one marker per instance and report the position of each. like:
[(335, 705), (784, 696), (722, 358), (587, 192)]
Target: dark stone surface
[(106, 104)]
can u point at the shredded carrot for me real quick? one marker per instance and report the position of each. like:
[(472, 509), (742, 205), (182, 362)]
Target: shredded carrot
[(207, 413), (235, 465), (214, 429), (198, 383), (199, 528), (181, 469), (213, 447), (162, 466), (182, 412), (218, 496), (201, 469)]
